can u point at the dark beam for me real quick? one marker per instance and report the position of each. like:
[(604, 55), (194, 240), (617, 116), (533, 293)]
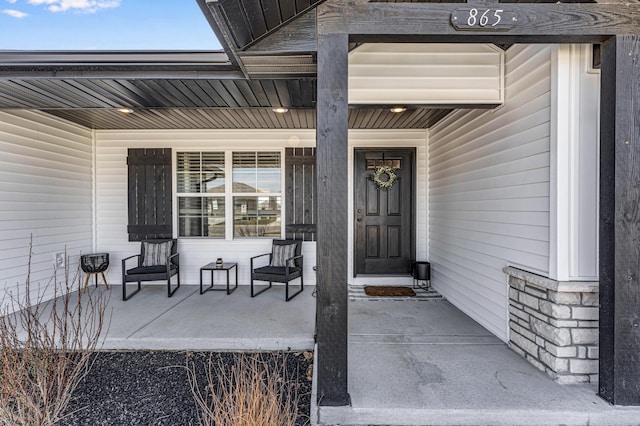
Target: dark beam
[(297, 36), (117, 65), (619, 381), (119, 73), (331, 153), (301, 12), (112, 58), (215, 17), (543, 23)]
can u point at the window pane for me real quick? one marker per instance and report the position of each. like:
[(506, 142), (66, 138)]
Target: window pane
[(213, 172), (188, 182), (200, 172), (188, 168), (188, 162), (244, 172), (256, 217), (189, 216), (214, 220), (201, 217), (268, 172), (256, 172)]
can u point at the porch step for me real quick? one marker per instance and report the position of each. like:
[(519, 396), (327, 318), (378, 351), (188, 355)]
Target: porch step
[(535, 416), (356, 292)]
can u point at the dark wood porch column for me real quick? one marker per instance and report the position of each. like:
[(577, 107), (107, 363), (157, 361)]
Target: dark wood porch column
[(620, 221), (331, 159)]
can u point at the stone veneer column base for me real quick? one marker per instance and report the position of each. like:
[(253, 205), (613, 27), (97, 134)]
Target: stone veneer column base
[(554, 325)]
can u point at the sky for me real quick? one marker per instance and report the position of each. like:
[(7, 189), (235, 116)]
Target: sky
[(104, 25)]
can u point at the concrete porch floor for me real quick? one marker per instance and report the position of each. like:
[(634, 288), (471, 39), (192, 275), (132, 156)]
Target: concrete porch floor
[(414, 362), (211, 321), (427, 363)]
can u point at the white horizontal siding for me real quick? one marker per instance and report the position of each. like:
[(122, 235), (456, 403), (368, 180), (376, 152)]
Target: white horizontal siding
[(412, 73), (489, 191), (111, 196), (46, 172)]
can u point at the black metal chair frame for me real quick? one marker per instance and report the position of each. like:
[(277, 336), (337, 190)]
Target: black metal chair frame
[(285, 277), (172, 268)]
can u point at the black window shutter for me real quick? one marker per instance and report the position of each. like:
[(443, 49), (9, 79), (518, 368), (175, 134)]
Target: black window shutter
[(150, 204), (300, 191)]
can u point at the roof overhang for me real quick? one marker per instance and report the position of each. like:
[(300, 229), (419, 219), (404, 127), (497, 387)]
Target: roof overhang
[(116, 64)]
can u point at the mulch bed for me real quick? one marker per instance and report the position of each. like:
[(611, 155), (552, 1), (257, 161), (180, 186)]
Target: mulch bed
[(152, 388), (389, 291)]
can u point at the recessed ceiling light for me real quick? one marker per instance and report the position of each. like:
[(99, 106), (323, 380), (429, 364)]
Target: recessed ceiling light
[(280, 110), (397, 109), (126, 110)]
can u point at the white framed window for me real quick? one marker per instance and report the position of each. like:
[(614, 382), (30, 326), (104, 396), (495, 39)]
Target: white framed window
[(229, 194)]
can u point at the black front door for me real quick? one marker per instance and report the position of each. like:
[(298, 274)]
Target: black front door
[(384, 242)]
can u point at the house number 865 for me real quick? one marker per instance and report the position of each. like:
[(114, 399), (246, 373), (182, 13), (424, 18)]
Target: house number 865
[(483, 19)]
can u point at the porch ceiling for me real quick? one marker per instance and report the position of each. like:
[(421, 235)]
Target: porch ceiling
[(248, 118), (115, 93), (269, 61), (88, 89)]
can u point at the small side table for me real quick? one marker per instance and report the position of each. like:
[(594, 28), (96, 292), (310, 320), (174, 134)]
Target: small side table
[(225, 267)]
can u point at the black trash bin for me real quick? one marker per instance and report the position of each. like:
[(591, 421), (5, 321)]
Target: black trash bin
[(421, 272)]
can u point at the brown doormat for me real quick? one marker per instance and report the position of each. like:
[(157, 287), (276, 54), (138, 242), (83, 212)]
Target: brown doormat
[(389, 291)]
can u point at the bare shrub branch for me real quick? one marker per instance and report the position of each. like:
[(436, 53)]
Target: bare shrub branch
[(46, 346), (252, 392)]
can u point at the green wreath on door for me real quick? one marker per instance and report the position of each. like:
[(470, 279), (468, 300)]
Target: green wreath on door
[(391, 177)]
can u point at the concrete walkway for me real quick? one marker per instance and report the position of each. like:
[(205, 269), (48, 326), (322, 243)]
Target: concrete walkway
[(427, 363), (211, 321)]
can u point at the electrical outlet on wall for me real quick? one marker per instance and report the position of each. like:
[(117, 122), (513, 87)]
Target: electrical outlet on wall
[(59, 259)]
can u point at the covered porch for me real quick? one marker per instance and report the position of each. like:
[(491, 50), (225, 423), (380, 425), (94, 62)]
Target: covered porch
[(426, 362), (411, 362), (67, 147)]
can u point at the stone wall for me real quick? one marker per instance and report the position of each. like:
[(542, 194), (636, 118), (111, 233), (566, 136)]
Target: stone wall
[(554, 325)]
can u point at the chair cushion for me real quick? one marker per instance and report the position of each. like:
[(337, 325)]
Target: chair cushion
[(274, 270), (158, 269), (280, 254), (156, 254)]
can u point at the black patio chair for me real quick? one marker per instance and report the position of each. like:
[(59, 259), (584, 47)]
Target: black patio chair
[(158, 261), (285, 265)]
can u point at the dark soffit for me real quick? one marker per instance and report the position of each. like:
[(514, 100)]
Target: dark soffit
[(246, 118), (249, 21), (155, 93)]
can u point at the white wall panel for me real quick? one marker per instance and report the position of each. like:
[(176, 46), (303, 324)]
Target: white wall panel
[(413, 73), (489, 194), (46, 180), (574, 165)]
